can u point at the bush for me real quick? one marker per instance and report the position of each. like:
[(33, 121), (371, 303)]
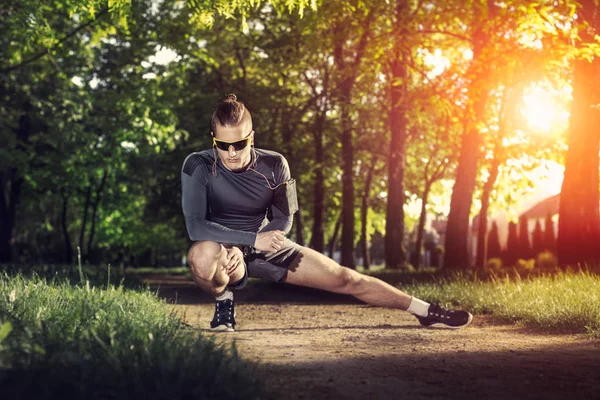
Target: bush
[(494, 264), (546, 260), (525, 265), (59, 341)]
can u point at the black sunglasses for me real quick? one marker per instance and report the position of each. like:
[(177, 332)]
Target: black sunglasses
[(237, 145)]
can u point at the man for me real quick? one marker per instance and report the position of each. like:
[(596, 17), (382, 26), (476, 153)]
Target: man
[(238, 203)]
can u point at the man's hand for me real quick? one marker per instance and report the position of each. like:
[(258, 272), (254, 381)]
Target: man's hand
[(235, 257), (269, 242)]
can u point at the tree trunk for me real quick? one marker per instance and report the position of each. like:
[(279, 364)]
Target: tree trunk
[(299, 227), (11, 186), (8, 211), (317, 239), (364, 212), (68, 255), (421, 227), (334, 238), (95, 206), (456, 247), (348, 72), (88, 195), (348, 259), (579, 221), (394, 235), (481, 257)]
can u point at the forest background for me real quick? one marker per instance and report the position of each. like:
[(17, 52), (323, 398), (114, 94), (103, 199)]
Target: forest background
[(386, 111)]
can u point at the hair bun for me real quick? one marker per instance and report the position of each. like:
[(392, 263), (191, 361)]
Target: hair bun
[(231, 97)]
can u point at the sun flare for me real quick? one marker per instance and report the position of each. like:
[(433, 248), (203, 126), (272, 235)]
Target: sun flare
[(544, 109)]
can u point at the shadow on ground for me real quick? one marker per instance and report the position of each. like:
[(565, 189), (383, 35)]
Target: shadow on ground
[(545, 373), (311, 344), (181, 290)]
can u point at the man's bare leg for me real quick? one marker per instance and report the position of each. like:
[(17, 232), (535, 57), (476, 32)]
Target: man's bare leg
[(318, 271), (207, 265)]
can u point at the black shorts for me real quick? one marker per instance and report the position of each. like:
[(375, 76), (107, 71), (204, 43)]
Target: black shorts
[(272, 267)]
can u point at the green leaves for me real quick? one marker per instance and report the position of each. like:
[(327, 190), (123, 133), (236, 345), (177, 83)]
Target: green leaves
[(5, 330)]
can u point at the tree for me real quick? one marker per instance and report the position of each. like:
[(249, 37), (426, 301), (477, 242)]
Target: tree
[(456, 247), (394, 252), (494, 250), (348, 58), (579, 222), (549, 237), (537, 239), (512, 244), (524, 251)]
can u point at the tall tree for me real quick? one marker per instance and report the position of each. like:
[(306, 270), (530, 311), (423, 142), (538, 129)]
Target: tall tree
[(457, 236), (579, 222), (537, 239), (348, 55), (549, 234), (394, 231), (494, 250), (512, 244), (524, 243)]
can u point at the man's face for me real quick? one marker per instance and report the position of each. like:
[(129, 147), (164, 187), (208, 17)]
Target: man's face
[(235, 160)]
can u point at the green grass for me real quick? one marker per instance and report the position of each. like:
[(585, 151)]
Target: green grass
[(567, 301), (62, 341)]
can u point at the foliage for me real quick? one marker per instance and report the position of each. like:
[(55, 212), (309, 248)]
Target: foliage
[(494, 264), (101, 102), (525, 265), (546, 260)]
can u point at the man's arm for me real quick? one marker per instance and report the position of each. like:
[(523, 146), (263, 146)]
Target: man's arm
[(279, 221), (194, 175)]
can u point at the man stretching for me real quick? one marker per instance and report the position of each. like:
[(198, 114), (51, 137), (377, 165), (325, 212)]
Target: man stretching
[(238, 203)]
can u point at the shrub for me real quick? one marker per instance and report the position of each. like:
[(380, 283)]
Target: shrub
[(494, 264), (546, 260), (525, 265), (82, 342)]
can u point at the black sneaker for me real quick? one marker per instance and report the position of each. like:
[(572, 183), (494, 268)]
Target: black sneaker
[(224, 319), (438, 316)]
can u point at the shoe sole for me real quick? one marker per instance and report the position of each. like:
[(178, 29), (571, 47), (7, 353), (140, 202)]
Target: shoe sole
[(222, 328), (442, 325)]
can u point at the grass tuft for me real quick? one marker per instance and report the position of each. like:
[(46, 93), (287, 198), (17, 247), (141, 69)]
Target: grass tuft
[(63, 341), (567, 301)]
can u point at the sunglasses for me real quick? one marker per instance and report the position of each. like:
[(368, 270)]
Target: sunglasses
[(237, 145)]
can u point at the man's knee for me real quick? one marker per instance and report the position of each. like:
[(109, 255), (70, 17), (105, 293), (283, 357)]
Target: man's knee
[(203, 258), (350, 280)]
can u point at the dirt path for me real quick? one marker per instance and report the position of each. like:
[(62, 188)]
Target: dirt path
[(313, 345)]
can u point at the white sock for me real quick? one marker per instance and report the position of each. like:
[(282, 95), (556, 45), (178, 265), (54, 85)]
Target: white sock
[(418, 307), (227, 295)]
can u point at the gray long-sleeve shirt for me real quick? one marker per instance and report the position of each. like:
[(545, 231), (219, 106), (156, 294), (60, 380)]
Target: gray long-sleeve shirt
[(231, 207)]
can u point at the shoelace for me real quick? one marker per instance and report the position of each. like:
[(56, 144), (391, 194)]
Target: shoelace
[(224, 310), (440, 312)]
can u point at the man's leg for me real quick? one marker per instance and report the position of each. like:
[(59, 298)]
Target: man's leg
[(318, 271), (315, 270), (208, 261), (207, 265)]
